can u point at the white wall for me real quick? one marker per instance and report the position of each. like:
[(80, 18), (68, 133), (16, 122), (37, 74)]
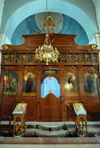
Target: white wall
[(97, 9), (1, 10)]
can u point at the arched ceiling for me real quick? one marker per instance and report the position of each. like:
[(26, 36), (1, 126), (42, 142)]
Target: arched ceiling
[(81, 10)]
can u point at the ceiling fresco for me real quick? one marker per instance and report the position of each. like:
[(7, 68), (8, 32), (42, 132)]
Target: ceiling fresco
[(60, 23)]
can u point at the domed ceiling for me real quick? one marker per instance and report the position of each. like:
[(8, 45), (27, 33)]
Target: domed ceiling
[(60, 23)]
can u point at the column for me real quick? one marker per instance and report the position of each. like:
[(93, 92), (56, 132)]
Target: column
[(39, 72), (63, 108)]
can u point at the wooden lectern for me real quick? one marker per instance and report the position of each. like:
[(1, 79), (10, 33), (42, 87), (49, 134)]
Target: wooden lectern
[(19, 112), (81, 116)]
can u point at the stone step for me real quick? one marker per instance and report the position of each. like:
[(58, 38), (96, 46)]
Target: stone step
[(94, 131), (58, 129), (43, 133)]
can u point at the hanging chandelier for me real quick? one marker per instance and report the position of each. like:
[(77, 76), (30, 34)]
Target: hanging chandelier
[(47, 53)]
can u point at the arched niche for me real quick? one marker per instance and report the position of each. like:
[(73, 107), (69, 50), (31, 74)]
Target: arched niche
[(50, 85), (10, 84)]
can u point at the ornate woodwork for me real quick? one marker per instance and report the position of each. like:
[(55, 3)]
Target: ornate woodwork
[(74, 58)]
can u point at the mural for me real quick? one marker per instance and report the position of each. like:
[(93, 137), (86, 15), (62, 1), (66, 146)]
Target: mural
[(29, 84), (10, 84), (90, 85), (58, 23), (71, 84)]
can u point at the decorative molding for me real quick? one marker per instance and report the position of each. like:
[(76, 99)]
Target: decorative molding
[(91, 98)]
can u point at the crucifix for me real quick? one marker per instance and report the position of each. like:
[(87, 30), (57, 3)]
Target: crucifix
[(49, 24)]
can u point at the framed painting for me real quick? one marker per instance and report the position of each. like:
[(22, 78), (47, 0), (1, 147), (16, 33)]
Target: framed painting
[(11, 60), (88, 58), (70, 58), (82, 58), (71, 84), (5, 58), (30, 58), (90, 85), (17, 58), (10, 84), (76, 59), (24, 58), (29, 84), (94, 59), (63, 58)]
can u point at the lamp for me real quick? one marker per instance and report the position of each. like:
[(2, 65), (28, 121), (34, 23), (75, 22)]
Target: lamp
[(46, 53)]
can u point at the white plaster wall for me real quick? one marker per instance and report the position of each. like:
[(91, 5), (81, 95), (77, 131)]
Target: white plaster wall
[(97, 9), (1, 35), (1, 10), (88, 8)]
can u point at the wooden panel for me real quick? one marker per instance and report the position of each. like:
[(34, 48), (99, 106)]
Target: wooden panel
[(55, 108), (8, 109), (31, 111), (46, 103), (93, 110), (70, 113), (51, 108)]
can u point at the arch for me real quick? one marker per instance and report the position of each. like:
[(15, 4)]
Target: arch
[(67, 10), (52, 76), (50, 85)]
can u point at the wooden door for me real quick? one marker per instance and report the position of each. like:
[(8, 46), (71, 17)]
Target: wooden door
[(51, 108)]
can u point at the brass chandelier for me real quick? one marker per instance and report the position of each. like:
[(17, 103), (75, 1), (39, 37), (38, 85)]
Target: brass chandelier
[(47, 53)]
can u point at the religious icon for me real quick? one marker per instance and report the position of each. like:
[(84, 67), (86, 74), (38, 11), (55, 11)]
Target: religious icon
[(5, 58), (76, 59), (94, 59), (82, 60), (63, 58), (88, 58), (79, 107), (17, 58), (10, 84), (24, 58), (11, 59), (90, 85), (30, 58), (70, 58), (29, 84), (71, 84), (37, 60), (49, 23)]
